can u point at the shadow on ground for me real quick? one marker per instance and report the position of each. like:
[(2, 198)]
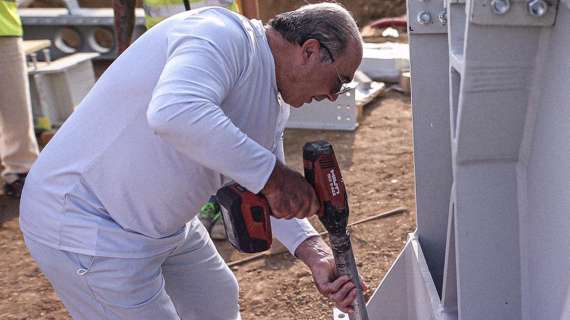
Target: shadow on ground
[(9, 209)]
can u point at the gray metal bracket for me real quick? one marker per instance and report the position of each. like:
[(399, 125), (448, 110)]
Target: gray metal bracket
[(513, 12), (427, 16)]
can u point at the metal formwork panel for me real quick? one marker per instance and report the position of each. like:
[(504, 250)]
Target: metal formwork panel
[(544, 180), (341, 114), (506, 233), (56, 88), (430, 105), (516, 12), (409, 293)]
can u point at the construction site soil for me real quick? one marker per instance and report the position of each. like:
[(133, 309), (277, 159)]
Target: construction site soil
[(377, 165)]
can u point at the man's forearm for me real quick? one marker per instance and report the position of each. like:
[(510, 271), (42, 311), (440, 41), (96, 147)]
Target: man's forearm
[(313, 249), (317, 255)]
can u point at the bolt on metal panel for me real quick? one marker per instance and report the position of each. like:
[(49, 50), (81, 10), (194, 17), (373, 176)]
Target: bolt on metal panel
[(513, 12), (427, 16), (506, 238)]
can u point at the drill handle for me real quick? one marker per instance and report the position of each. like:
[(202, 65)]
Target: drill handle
[(323, 173)]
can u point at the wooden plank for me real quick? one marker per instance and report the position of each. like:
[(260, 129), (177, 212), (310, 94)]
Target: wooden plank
[(32, 46), (63, 63)]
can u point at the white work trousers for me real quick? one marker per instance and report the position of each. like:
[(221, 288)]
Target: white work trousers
[(18, 146), (190, 282)]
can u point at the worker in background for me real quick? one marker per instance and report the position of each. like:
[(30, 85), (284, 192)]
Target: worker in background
[(109, 208), (18, 146), (158, 10)]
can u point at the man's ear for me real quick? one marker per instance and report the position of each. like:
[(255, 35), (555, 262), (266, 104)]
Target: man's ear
[(311, 50)]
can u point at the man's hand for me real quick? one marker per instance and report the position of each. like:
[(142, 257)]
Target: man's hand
[(318, 257), (289, 195)]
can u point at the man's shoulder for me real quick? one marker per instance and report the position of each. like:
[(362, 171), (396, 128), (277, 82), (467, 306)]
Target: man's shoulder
[(220, 28), (213, 23), (221, 19)]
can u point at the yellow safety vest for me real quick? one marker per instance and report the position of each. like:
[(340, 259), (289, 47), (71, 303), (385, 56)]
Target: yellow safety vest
[(158, 10), (10, 23)]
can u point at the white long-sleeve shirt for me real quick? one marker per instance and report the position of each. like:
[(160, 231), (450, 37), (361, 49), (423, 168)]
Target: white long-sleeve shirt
[(191, 104)]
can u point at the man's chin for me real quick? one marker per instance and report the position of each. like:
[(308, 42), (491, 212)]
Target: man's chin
[(294, 104)]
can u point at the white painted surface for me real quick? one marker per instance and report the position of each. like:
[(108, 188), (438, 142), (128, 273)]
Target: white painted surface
[(385, 61), (546, 227), (507, 231)]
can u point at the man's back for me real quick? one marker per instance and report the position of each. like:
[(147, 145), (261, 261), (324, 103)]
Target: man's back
[(107, 166)]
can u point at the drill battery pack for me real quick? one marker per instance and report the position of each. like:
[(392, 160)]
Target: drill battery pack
[(246, 217)]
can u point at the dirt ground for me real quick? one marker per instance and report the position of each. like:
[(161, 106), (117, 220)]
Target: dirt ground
[(376, 163)]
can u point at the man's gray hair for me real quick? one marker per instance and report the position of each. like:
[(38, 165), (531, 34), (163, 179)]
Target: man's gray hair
[(329, 23)]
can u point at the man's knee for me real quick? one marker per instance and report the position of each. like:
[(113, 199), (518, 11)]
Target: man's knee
[(227, 299)]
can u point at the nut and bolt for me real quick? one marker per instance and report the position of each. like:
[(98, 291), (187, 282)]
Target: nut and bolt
[(537, 8), (442, 16), (424, 17), (500, 7)]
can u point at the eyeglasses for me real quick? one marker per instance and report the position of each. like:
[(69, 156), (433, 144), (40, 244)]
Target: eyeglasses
[(341, 86)]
